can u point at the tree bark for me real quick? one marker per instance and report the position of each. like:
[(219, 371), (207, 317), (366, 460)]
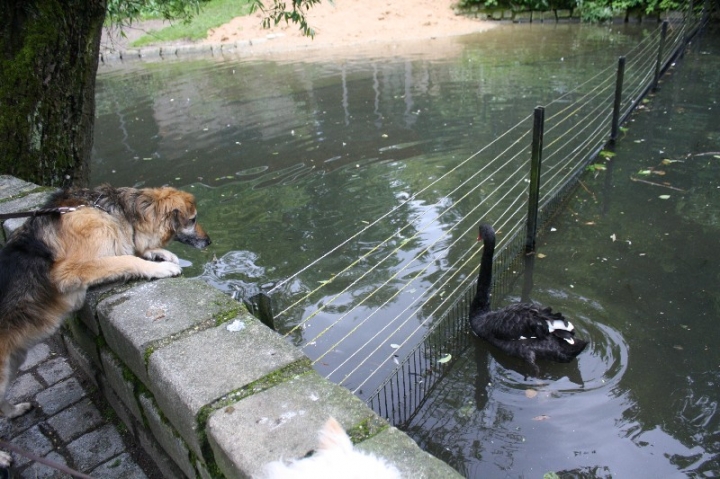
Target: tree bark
[(48, 62)]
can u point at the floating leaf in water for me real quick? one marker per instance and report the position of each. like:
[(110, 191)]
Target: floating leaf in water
[(613, 237), (607, 154), (541, 256), (445, 359), (644, 172), (664, 197), (667, 161), (624, 129), (530, 393), (678, 347), (716, 156), (147, 159), (658, 172), (541, 417), (596, 167)]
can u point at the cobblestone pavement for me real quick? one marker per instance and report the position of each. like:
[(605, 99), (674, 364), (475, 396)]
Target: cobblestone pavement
[(69, 423)]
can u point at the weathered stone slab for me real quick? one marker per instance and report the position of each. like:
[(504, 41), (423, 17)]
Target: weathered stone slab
[(166, 436), (124, 388), (283, 422), (193, 372), (24, 203), (11, 186), (399, 449), (145, 317)]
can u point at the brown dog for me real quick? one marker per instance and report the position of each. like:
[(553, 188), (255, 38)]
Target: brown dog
[(49, 263)]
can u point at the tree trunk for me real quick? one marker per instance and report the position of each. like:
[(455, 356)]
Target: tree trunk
[(48, 61)]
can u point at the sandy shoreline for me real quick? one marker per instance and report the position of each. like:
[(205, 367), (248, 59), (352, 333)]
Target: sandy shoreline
[(342, 23)]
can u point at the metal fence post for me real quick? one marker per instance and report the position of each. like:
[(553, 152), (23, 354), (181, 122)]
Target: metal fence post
[(661, 47), (534, 200), (618, 99), (260, 306)]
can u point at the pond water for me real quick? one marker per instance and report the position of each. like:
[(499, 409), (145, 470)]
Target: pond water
[(633, 260), (291, 160)]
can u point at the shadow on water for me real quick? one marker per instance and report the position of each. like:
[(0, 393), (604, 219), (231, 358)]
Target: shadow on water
[(289, 159)]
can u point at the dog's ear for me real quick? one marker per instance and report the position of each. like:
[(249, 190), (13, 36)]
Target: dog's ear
[(181, 218)]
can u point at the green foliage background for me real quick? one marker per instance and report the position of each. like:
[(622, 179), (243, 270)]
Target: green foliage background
[(591, 10)]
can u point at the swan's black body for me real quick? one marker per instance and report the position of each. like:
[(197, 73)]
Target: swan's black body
[(524, 330)]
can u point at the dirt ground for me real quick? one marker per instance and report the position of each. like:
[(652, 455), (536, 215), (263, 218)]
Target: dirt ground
[(337, 23)]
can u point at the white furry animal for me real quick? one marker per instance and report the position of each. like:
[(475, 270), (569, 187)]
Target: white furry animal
[(335, 458)]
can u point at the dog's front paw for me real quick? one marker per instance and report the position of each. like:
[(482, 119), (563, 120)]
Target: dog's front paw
[(164, 269), (160, 255), (10, 411), (5, 459)]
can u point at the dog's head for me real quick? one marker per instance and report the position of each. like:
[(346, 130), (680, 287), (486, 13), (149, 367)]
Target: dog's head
[(172, 212)]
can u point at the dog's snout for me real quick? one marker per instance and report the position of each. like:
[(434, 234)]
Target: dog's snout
[(197, 238)]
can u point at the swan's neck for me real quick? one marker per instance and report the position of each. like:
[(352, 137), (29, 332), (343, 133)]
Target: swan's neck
[(481, 303)]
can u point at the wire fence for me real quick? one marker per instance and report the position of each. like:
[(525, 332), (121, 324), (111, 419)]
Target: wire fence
[(408, 346)]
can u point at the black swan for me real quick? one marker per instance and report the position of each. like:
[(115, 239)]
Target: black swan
[(523, 330)]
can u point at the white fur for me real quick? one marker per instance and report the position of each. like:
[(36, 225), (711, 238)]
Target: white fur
[(335, 458)]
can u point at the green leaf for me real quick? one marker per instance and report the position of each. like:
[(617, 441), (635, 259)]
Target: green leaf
[(644, 172), (445, 359), (664, 197), (607, 154)]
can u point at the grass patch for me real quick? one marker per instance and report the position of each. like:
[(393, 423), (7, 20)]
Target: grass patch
[(212, 15)]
